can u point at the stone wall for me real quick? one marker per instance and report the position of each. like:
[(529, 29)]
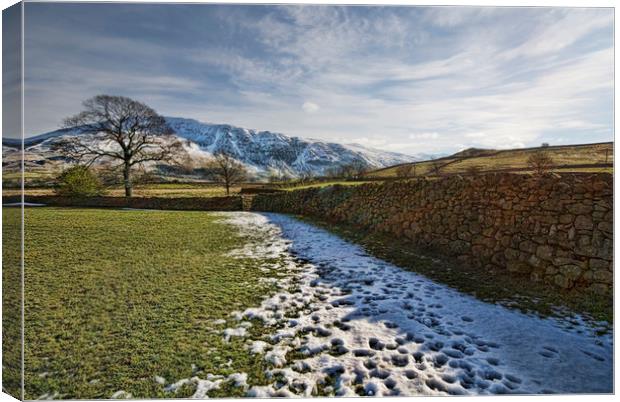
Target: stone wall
[(556, 229), (232, 203)]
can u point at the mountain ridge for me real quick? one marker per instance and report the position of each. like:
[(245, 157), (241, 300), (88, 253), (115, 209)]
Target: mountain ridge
[(263, 152)]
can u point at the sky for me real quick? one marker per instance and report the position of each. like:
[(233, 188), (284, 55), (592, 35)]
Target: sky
[(405, 79)]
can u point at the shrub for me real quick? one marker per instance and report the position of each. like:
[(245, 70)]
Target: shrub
[(78, 181), (435, 167), (540, 162), (405, 171)]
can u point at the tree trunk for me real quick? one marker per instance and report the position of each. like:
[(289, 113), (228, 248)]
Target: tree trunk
[(127, 181), (227, 188)]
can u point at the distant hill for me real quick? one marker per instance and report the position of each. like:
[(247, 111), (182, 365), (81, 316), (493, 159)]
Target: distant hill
[(567, 158), (470, 152)]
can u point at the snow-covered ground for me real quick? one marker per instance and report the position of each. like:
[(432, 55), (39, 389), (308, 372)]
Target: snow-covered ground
[(350, 324)]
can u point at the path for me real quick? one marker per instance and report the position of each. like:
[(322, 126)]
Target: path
[(349, 323)]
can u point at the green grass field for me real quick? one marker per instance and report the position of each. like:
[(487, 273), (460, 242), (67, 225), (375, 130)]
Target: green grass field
[(177, 190), (115, 298), (11, 303), (168, 190), (324, 184)]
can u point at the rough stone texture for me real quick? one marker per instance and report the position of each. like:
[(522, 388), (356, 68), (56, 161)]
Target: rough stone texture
[(557, 228)]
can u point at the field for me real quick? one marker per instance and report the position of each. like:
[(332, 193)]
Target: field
[(172, 190), (324, 184), (112, 303), (139, 304), (11, 303), (575, 158), (176, 190), (587, 158)]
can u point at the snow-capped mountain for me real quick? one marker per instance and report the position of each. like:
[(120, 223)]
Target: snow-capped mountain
[(263, 152)]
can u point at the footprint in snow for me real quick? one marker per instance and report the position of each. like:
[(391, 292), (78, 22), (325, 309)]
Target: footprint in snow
[(548, 352), (594, 356)]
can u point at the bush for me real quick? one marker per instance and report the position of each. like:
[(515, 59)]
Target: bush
[(78, 181), (540, 162), (405, 171)]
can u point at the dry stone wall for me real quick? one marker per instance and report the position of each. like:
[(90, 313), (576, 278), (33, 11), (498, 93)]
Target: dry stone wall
[(556, 229)]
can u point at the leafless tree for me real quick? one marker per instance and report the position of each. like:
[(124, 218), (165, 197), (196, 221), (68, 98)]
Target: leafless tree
[(274, 177), (540, 162), (332, 172), (277, 176), (306, 174), (286, 177), (359, 169), (435, 167), (129, 133), (354, 170), (405, 171), (226, 170)]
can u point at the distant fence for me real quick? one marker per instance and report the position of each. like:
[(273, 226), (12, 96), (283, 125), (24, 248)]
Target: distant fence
[(233, 203)]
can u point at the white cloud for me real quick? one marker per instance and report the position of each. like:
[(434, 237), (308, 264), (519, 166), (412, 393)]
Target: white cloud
[(310, 107), (424, 136), (564, 28), (405, 79)]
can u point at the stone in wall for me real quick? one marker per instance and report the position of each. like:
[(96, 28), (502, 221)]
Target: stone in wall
[(556, 228)]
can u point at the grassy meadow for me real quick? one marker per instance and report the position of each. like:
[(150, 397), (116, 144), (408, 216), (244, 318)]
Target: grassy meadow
[(324, 184), (11, 302), (114, 298), (586, 158), (566, 159), (171, 190)]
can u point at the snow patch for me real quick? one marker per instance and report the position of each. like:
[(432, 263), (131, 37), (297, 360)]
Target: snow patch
[(345, 323), (258, 347), (121, 395), (365, 326), (230, 332)]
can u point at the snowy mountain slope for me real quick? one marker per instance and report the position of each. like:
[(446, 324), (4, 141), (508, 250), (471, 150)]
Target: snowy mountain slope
[(262, 152)]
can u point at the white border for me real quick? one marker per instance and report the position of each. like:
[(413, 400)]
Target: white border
[(508, 3)]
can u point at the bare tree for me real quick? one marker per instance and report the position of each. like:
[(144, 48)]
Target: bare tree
[(435, 167), (405, 171), (226, 170), (540, 162), (306, 174), (286, 177), (128, 132), (274, 176), (353, 170), (359, 169), (332, 172)]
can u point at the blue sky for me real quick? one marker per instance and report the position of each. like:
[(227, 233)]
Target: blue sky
[(407, 79)]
